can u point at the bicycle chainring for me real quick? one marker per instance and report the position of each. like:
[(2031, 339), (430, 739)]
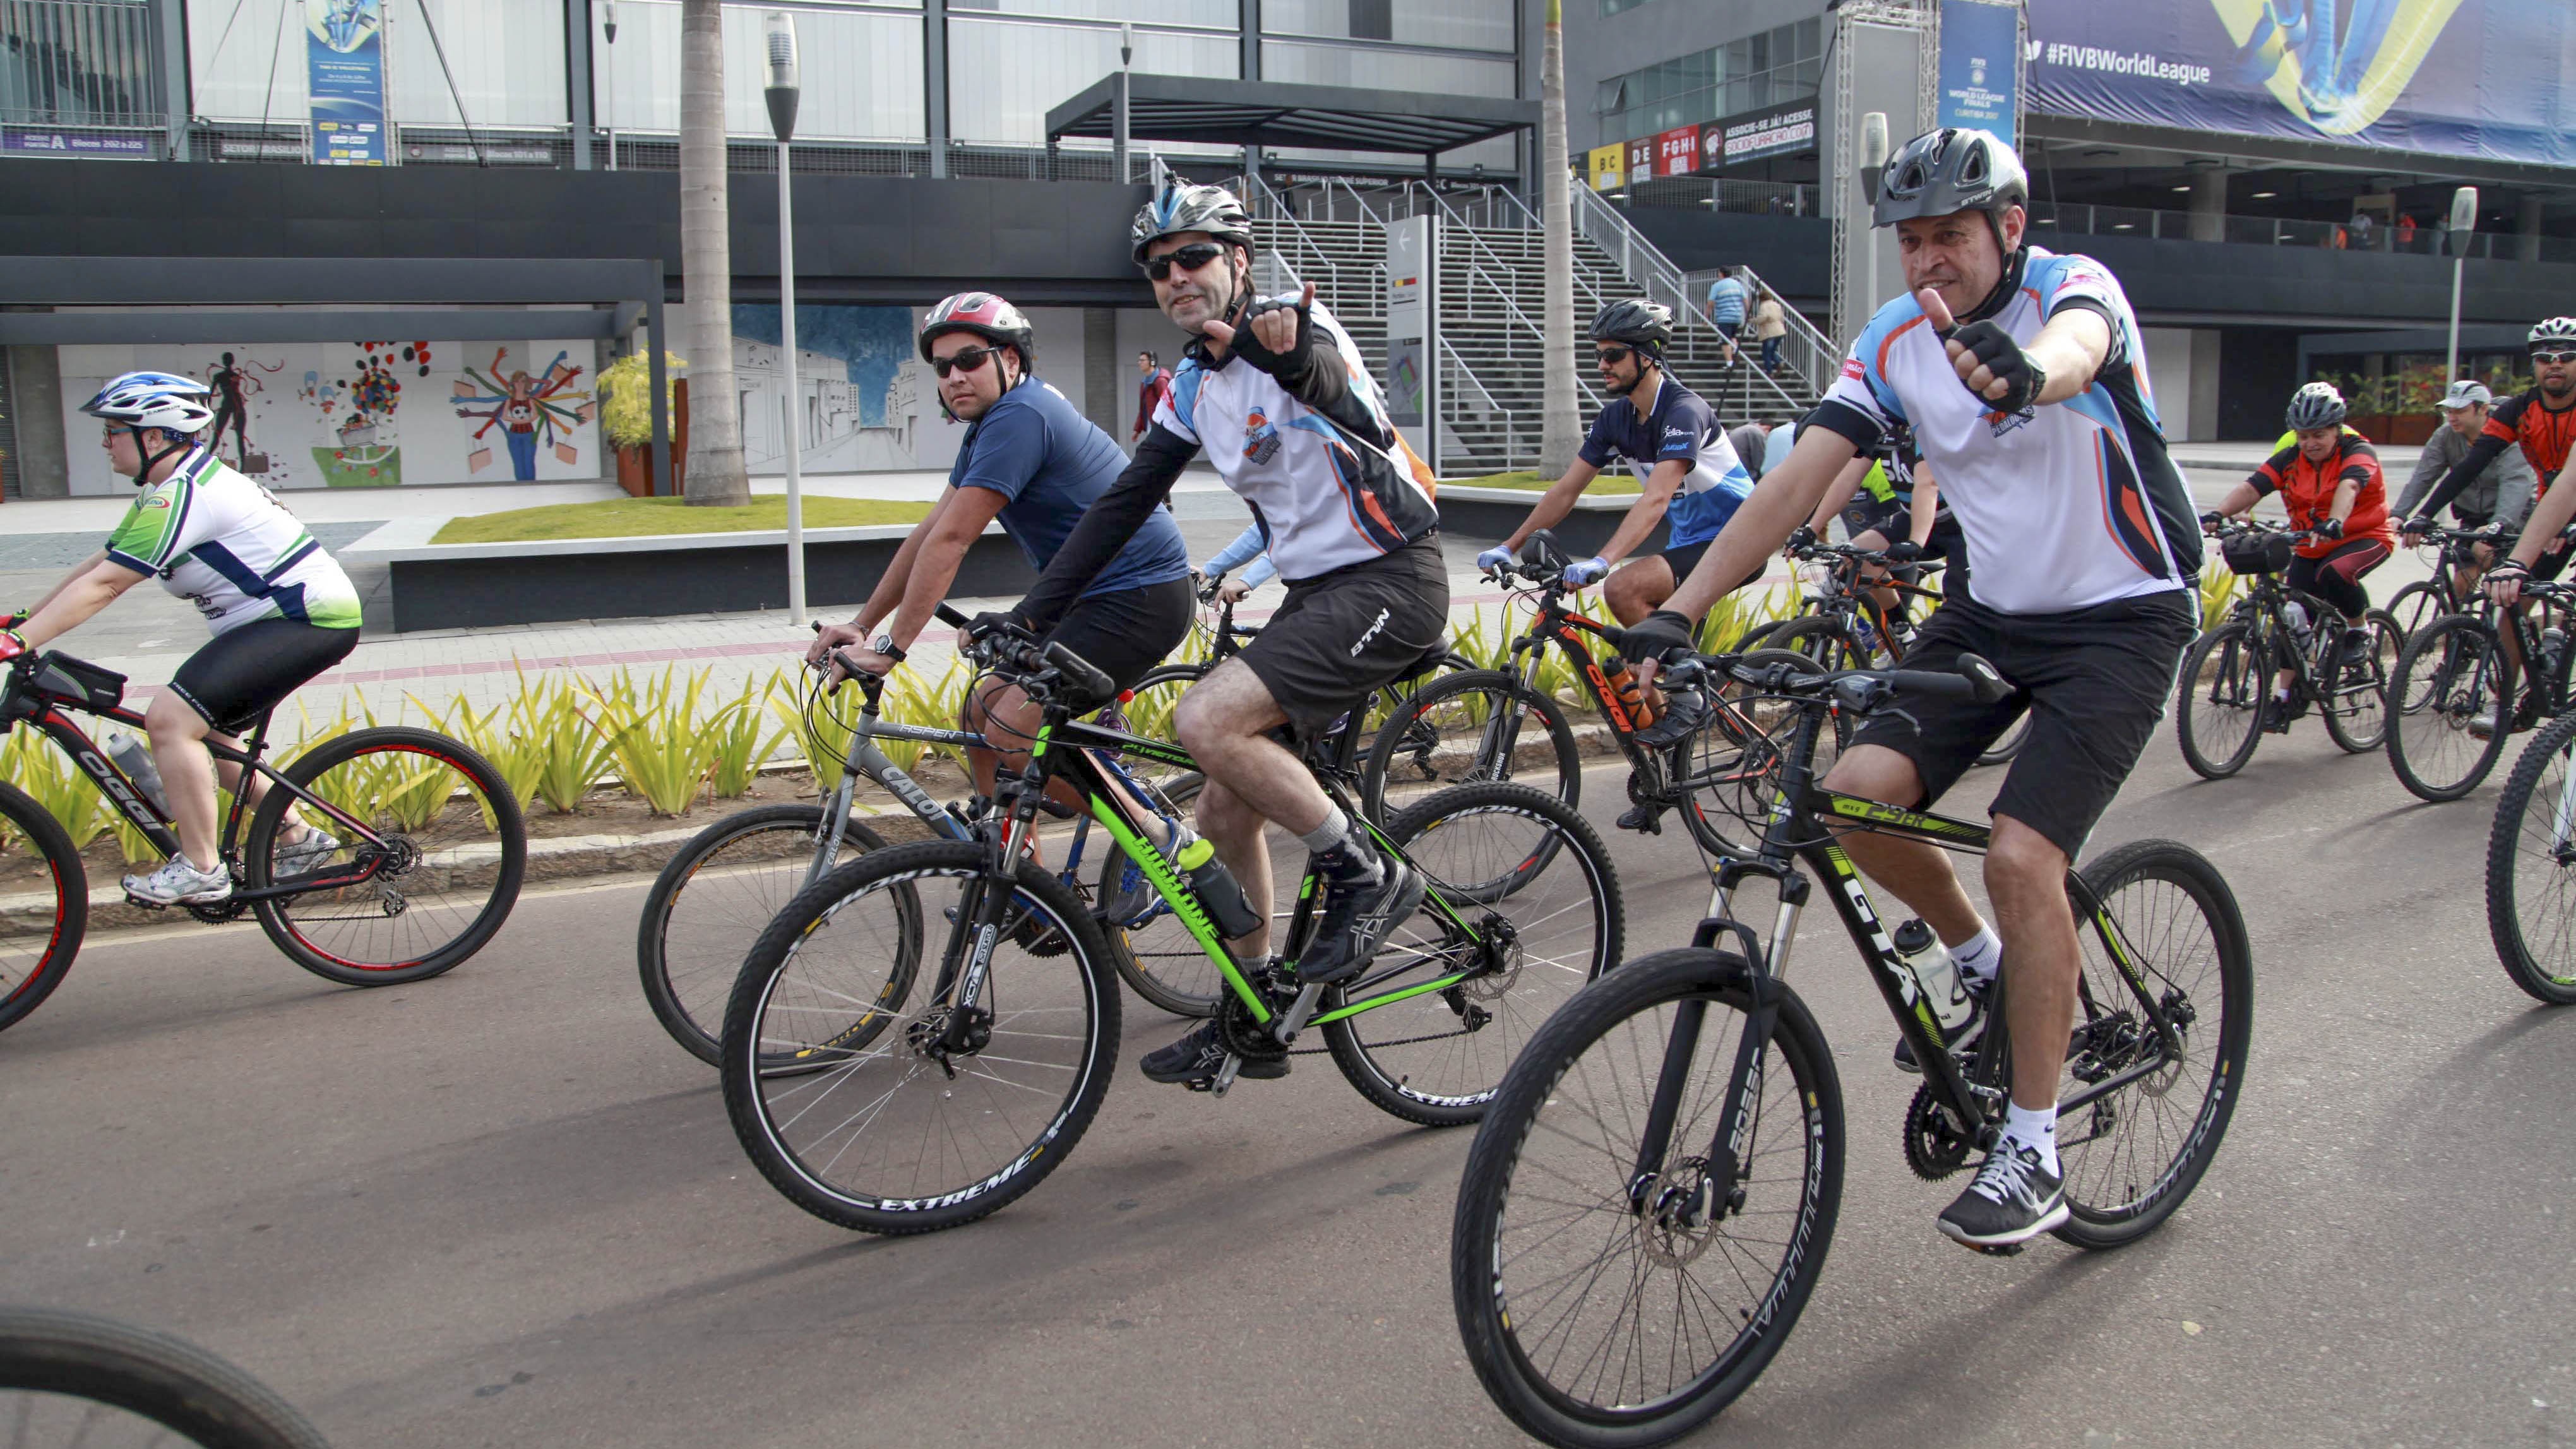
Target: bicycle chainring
[(1243, 1036), (1934, 1146)]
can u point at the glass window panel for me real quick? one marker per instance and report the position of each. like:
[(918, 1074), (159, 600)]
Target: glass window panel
[(1003, 76), (508, 58), (1463, 24), (862, 72), (231, 47), (1223, 13), (1335, 65)]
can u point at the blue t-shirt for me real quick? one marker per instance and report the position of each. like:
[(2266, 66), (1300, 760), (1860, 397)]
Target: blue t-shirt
[(1679, 425), (1052, 463), (1726, 297)]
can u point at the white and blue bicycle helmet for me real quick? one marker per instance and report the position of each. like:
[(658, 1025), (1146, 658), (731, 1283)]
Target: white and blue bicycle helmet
[(174, 404)]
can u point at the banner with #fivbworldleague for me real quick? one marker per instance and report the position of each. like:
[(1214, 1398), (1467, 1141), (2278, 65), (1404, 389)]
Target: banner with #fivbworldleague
[(344, 74)]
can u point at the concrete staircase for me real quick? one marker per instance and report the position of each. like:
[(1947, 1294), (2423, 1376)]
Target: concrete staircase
[(1492, 291)]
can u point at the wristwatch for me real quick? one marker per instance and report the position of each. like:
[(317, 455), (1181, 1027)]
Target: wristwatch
[(884, 644)]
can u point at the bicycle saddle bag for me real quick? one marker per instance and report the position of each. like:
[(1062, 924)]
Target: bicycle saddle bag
[(2257, 553)]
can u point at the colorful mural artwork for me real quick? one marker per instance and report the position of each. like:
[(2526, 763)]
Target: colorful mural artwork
[(850, 372), (528, 410)]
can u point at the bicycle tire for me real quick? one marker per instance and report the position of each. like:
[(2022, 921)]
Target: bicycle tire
[(26, 980), (1449, 1086), (2449, 674), (2009, 743), (2356, 714), (2107, 1039), (1424, 726), (1154, 953), (692, 1014), (1823, 640), (2416, 605), (1746, 797), (156, 1376), (457, 854), (2239, 683), (1150, 708), (805, 931), (1509, 1146), (2540, 961)]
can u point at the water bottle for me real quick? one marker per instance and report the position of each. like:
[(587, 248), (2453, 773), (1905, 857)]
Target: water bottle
[(1216, 889), (2297, 615), (2553, 647), (134, 757), (1632, 699), (1935, 973)]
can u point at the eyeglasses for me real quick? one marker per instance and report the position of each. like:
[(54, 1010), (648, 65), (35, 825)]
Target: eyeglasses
[(2553, 357), (967, 360), (1190, 258), (1613, 356)]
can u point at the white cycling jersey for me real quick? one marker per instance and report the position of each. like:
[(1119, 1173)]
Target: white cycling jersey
[(226, 545), (2063, 506)]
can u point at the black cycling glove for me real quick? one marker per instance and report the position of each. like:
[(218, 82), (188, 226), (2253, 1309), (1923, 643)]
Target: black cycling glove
[(2327, 528), (1656, 635), (1289, 366), (1995, 348), (1008, 621), (1904, 550), (1801, 540)]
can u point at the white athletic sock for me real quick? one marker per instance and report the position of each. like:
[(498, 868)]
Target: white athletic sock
[(1980, 957), (2034, 1130)]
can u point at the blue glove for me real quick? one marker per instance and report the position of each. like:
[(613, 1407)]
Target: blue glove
[(1494, 558), (1589, 571)]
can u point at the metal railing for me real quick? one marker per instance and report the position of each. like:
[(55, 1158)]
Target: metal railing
[(81, 63), (1805, 350)]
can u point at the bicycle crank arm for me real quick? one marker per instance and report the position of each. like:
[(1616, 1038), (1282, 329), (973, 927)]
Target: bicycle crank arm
[(1293, 1020)]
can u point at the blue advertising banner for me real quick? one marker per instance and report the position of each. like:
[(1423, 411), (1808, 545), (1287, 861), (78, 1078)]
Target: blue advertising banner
[(344, 68), (2494, 79), (1978, 38)]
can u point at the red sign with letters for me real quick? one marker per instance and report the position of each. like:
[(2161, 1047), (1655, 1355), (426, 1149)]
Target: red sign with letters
[(1677, 151)]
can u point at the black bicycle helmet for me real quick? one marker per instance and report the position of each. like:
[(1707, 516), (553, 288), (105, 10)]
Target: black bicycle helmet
[(2316, 405), (1952, 169), (1640, 323), (1179, 208)]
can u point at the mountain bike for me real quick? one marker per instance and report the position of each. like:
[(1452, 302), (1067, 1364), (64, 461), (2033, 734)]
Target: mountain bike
[(1842, 625), (424, 859), (1650, 1199), (2223, 702), (2456, 696), (87, 1382), (898, 1084), (2425, 600), (1500, 724), (2531, 868), (719, 891)]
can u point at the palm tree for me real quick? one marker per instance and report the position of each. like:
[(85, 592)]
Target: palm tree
[(1559, 431), (715, 472)]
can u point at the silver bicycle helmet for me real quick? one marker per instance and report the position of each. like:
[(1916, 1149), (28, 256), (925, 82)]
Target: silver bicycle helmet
[(2555, 334), (2316, 405), (1179, 208)]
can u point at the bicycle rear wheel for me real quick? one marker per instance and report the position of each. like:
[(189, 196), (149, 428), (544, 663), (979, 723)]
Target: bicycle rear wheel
[(39, 938), (2218, 711), (2452, 699), (445, 877), (2356, 705), (1600, 1308), (835, 1076), (1523, 897), (2531, 868), (2009, 743), (76, 1379), (1158, 957), (2416, 605), (713, 900), (1476, 724), (2167, 931)]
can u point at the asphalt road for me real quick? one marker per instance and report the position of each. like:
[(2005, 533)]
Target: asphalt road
[(501, 1209)]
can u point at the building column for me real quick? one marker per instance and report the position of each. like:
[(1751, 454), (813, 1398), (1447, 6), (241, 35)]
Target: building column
[(2209, 206), (2526, 228), (170, 17), (577, 77), (36, 417), (934, 82), (1251, 36), (1100, 370)]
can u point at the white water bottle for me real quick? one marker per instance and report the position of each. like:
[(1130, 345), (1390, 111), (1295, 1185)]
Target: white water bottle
[(134, 757), (1935, 973)]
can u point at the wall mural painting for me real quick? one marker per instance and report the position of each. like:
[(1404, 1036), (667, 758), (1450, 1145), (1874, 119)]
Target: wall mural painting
[(855, 377), (528, 411)]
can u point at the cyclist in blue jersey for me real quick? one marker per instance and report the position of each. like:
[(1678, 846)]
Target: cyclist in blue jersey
[(1031, 460), (1249, 552), (2034, 411)]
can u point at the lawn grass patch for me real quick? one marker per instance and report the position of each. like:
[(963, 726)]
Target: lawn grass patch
[(1526, 481), (639, 517)]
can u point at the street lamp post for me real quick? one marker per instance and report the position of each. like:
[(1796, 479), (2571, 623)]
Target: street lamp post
[(608, 22), (1873, 156), (2464, 222), (781, 95)]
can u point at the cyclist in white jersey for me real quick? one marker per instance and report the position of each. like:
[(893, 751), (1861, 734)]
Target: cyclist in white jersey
[(280, 609), (1278, 398), (2035, 415)]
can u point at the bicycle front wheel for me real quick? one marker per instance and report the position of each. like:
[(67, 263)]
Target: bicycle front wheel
[(76, 1379), (1522, 908), (2531, 868), (2167, 932), (438, 880), (1476, 724), (879, 1096), (2356, 702), (714, 899), (2416, 605), (2452, 699), (1730, 768), (41, 934), (2218, 714), (1605, 1305)]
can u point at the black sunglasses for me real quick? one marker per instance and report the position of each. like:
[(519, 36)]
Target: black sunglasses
[(2553, 357), (1613, 356), (1190, 258), (968, 360)]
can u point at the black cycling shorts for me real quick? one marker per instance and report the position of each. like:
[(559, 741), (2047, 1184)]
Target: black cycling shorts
[(1341, 636), (243, 673), (2550, 565), (1126, 633), (1865, 512), (2094, 680), (1685, 560)]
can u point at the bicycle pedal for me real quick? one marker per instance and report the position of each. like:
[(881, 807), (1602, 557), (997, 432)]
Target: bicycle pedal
[(1998, 1250), (132, 899)]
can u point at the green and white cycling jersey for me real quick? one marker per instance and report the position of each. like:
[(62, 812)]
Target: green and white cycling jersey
[(226, 545)]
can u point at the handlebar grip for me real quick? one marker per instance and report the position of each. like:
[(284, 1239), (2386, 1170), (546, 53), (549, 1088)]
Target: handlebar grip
[(1080, 673), (1976, 679), (949, 616)]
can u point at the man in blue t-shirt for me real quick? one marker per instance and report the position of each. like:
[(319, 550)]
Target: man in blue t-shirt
[(1034, 462), (1727, 297)]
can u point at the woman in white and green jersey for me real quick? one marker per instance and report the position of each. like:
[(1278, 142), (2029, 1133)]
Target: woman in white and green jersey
[(280, 609)]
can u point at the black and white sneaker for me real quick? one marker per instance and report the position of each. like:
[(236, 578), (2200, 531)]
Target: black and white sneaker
[(1959, 1038), (1200, 1055), (2013, 1200), (1358, 916)]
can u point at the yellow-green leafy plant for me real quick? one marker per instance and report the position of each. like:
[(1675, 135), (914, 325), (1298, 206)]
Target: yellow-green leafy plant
[(2218, 590), (572, 751), (734, 738), (662, 750), (626, 398), (517, 759)]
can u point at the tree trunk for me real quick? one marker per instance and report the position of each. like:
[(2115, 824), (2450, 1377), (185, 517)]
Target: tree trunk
[(715, 472), (1560, 430)]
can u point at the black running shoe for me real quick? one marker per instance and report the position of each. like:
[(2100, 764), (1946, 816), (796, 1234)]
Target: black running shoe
[(1958, 1039), (1644, 819), (2013, 1200), (1200, 1055), (1357, 920)]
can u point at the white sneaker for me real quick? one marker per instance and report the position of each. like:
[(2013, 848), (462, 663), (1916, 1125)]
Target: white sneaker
[(179, 883), (306, 853)]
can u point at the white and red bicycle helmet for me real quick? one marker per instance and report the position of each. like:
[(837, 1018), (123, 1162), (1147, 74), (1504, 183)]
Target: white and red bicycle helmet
[(987, 316)]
